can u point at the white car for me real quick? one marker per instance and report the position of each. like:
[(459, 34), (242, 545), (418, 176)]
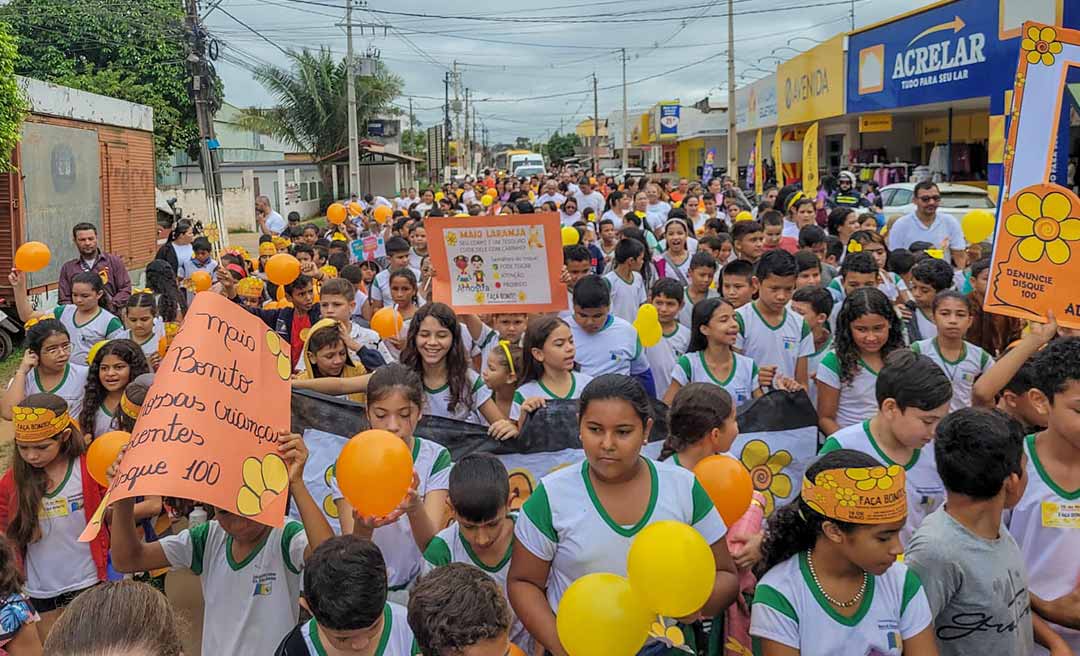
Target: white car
[(529, 170), (899, 199)]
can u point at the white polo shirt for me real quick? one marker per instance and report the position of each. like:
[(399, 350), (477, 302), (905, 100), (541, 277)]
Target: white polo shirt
[(908, 229)]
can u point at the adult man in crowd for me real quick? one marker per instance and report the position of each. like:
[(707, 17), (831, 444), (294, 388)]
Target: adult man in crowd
[(846, 194), (109, 267), (586, 196), (927, 224), (270, 222)]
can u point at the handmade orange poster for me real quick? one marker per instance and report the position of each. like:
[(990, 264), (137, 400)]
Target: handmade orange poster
[(1036, 255), (208, 428), (491, 264)]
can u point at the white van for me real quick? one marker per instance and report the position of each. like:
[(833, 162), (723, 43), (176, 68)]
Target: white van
[(526, 159)]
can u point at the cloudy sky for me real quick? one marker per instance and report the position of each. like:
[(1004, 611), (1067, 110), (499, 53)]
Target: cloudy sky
[(531, 64)]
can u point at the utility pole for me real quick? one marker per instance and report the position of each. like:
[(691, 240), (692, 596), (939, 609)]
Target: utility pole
[(446, 127), (458, 125), (732, 137), (595, 127), (466, 153), (350, 91), (412, 127), (201, 83), (625, 116)]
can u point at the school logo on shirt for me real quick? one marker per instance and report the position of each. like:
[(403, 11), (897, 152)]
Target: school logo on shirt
[(892, 637), (790, 343), (264, 584)]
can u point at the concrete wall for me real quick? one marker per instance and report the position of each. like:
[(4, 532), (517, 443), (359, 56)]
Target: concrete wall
[(49, 99)]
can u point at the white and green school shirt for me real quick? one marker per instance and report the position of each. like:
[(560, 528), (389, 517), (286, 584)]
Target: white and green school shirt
[(438, 401), (150, 345), (790, 610), (564, 523), (626, 297), (396, 638), (686, 312), (813, 364), (927, 328), (431, 461), (678, 338), (781, 345), (535, 388), (858, 398), (104, 325), (740, 382), (962, 372), (103, 421), (1046, 526), (71, 387), (614, 349), (450, 546), (58, 563), (250, 604), (925, 491)]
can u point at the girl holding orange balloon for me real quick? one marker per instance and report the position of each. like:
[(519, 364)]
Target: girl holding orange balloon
[(581, 519), (395, 402), (86, 319), (46, 500), (116, 363)]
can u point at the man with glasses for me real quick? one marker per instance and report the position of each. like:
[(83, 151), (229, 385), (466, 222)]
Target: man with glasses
[(927, 224)]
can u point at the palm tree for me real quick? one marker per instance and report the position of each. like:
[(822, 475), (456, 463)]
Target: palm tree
[(312, 109)]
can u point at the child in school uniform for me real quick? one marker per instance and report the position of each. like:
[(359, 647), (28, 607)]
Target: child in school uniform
[(345, 592), (233, 556), (1041, 522), (815, 304), (927, 279), (581, 519), (668, 297), (711, 358), (46, 367), (627, 286), (912, 395), (699, 285), (1009, 384), (482, 531), (775, 337), (868, 330), (605, 343), (397, 252), (143, 325), (502, 374), (86, 319), (969, 564), (832, 583), (737, 283), (858, 271), (458, 609), (748, 239), (548, 358), (962, 361), (115, 364)]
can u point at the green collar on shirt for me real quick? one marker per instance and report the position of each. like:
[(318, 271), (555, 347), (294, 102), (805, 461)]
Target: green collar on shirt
[(633, 530), (1043, 474), (569, 395), (864, 607), (889, 461), (37, 380), (71, 467), (237, 566)]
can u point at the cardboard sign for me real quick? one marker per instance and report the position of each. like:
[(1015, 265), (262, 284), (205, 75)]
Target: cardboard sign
[(494, 264), (1037, 238), (208, 427)]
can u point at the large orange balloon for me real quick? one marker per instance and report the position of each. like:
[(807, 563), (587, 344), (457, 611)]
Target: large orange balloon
[(382, 213), (201, 280), (102, 454), (282, 269), (387, 322), (355, 209), (32, 256), (728, 484), (374, 472), (336, 214)]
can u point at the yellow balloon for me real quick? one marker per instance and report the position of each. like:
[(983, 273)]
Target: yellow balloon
[(649, 332), (978, 226), (647, 312), (601, 614), (672, 568), (486, 200), (744, 216), (570, 236), (439, 196)]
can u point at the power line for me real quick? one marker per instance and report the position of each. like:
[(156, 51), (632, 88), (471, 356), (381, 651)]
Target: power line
[(254, 31)]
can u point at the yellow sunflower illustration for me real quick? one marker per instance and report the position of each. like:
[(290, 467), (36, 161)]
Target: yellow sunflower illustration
[(845, 496), (1044, 226), (451, 238), (263, 480), (668, 632), (1041, 45), (480, 297), (868, 478), (826, 480), (766, 471), (284, 364)]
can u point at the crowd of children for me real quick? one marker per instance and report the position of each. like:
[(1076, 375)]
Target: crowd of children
[(939, 517)]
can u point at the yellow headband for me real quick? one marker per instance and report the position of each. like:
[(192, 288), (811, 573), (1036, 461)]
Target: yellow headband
[(128, 407), (38, 424), (796, 197), (858, 495), (267, 248), (509, 359)]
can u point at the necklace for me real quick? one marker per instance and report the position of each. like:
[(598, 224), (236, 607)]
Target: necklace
[(839, 604)]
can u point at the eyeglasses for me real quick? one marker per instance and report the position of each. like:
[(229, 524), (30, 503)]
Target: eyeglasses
[(62, 348), (929, 199)]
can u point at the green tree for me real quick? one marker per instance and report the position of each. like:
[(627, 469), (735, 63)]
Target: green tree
[(312, 110), (561, 146), (133, 50), (12, 103)]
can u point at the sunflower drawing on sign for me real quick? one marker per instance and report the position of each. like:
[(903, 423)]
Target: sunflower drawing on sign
[(1037, 229), (767, 472)]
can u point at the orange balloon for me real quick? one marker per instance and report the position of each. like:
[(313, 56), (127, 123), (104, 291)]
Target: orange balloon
[(32, 256), (282, 269), (336, 214), (382, 213), (515, 651), (387, 322), (201, 280), (728, 484), (355, 209), (102, 454), (281, 293), (374, 471)]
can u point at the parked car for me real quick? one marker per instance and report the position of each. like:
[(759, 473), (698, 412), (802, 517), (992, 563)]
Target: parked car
[(899, 199), (526, 171)]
